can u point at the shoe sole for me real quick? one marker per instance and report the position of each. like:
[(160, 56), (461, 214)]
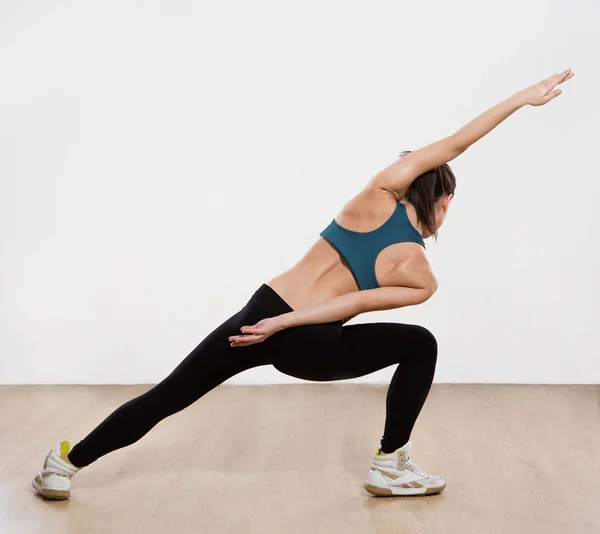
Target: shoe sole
[(51, 493), (391, 491)]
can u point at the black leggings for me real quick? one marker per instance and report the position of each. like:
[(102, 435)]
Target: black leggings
[(319, 352)]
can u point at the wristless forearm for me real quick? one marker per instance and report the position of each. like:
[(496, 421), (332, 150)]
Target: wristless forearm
[(330, 310), (487, 121)]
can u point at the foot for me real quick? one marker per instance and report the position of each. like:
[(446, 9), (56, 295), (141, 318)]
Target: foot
[(394, 473), (54, 480)]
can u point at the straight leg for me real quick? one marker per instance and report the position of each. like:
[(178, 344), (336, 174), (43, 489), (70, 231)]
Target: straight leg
[(211, 363)]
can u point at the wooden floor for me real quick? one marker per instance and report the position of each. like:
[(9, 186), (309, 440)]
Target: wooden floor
[(293, 458)]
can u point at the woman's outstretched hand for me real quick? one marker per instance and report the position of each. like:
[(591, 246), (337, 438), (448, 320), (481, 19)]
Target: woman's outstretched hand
[(544, 91), (256, 333)]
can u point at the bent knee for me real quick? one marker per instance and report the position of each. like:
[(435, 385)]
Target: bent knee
[(427, 342)]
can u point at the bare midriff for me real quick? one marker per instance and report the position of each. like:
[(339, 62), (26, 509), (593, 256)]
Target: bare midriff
[(322, 274)]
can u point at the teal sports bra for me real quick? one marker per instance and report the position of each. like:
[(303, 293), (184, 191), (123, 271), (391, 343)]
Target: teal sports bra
[(360, 249)]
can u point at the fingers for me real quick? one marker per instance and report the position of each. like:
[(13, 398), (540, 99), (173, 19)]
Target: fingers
[(241, 341), (252, 334), (553, 81), (243, 338), (568, 77), (557, 78), (251, 331), (552, 94)]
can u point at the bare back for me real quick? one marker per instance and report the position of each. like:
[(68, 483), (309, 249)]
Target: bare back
[(322, 274)]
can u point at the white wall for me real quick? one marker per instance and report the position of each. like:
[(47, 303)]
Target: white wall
[(161, 161)]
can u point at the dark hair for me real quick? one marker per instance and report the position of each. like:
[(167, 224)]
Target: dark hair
[(427, 189)]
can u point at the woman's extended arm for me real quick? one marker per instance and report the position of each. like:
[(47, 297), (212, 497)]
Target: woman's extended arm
[(536, 95), (400, 174)]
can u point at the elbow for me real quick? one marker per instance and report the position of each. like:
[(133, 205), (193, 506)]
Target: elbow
[(425, 295), (428, 290), (433, 286)]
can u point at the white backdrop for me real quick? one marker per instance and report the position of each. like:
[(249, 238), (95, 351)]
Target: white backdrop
[(161, 161)]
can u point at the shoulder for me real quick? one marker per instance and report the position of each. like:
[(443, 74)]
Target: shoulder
[(377, 187), (375, 197)]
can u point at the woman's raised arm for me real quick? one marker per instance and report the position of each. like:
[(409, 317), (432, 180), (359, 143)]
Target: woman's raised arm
[(399, 175)]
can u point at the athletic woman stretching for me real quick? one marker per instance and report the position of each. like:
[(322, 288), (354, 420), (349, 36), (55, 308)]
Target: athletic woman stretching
[(370, 257)]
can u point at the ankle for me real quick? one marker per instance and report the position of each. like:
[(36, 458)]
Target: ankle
[(66, 459)]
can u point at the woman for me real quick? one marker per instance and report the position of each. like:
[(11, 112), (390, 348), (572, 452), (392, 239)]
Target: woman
[(371, 257)]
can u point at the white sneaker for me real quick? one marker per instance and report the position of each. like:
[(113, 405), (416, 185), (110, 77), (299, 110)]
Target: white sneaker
[(396, 474), (54, 480)]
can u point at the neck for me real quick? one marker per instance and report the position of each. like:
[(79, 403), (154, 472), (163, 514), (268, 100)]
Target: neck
[(412, 216)]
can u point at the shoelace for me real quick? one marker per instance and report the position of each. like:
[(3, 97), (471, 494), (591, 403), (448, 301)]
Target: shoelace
[(415, 468)]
